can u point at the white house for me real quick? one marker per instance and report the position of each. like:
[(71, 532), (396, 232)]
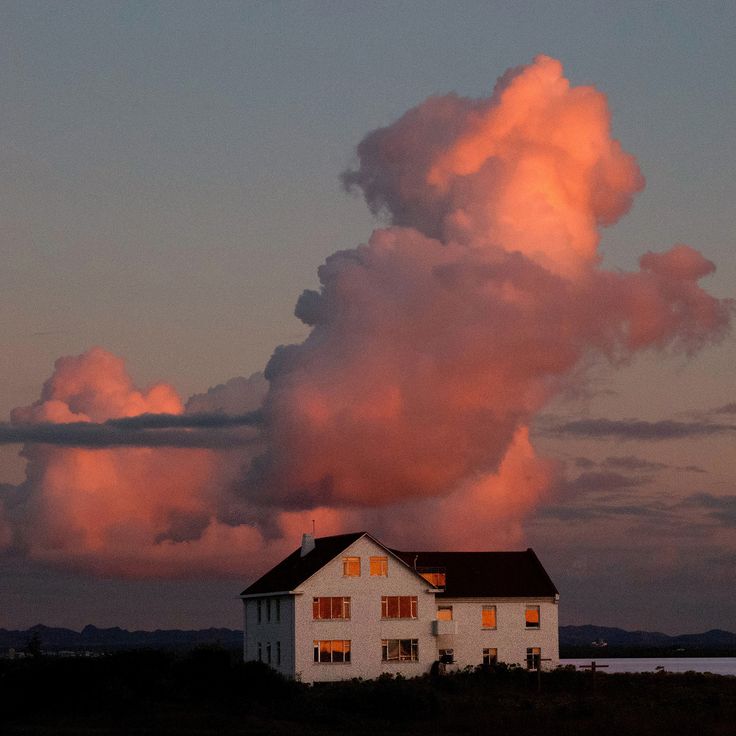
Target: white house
[(347, 606)]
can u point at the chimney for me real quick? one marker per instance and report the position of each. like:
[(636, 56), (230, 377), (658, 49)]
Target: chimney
[(307, 544)]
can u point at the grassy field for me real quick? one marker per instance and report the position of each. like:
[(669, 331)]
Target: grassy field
[(210, 692)]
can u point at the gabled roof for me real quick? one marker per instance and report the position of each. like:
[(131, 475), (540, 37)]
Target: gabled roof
[(295, 569), (486, 574), (469, 574)]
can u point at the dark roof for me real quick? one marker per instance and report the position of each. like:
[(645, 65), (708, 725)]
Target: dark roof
[(481, 574), (469, 574), (295, 569)]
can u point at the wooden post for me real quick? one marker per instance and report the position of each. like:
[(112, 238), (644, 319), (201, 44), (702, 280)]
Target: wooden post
[(593, 667)]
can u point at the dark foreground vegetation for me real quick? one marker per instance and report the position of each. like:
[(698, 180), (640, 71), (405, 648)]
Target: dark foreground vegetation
[(208, 691)]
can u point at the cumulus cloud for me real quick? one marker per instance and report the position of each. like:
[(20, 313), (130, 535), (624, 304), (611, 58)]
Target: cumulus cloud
[(432, 348)]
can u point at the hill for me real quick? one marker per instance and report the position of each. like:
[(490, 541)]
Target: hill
[(115, 638)]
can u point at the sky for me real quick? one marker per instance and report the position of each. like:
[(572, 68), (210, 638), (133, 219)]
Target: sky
[(483, 370)]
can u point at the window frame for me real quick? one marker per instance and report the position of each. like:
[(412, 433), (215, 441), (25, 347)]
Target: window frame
[(445, 609), (534, 656), (489, 656), (317, 648), (342, 603), (531, 624), (491, 609), (400, 646), (346, 563), (382, 562), (402, 602)]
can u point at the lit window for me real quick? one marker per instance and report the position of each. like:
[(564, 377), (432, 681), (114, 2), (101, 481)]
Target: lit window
[(332, 651), (398, 606), (400, 650), (531, 617), (379, 566), (444, 613), (330, 607), (437, 578), (533, 658), (490, 656), (351, 567), (488, 617)]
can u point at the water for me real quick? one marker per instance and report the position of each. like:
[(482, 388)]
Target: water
[(715, 665)]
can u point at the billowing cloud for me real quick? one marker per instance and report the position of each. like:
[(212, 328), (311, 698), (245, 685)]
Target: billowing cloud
[(432, 348)]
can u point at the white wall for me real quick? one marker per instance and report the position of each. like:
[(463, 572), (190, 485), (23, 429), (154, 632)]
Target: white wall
[(270, 632), (365, 629), (297, 630), (510, 637)]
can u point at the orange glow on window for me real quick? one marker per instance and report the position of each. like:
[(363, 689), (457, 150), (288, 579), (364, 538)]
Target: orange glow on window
[(379, 566), (489, 617), (532, 617), (444, 613), (438, 579), (351, 567)]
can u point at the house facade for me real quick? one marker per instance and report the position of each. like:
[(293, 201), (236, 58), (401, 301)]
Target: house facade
[(347, 606)]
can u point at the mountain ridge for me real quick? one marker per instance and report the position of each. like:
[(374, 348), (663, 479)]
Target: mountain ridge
[(115, 638)]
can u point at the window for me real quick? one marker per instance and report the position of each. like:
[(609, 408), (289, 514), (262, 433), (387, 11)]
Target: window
[(488, 617), (258, 610), (532, 617), (400, 650), (490, 656), (268, 610), (278, 609), (329, 608), (351, 567), (434, 576), (260, 652), (379, 566), (398, 606), (268, 653), (444, 613), (332, 651), (278, 652), (533, 658)]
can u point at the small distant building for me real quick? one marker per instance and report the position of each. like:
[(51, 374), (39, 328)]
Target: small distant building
[(348, 606)]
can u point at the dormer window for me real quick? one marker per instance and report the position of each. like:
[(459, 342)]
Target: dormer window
[(435, 576)]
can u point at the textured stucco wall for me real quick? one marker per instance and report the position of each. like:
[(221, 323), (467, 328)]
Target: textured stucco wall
[(365, 629), (270, 632), (510, 637)]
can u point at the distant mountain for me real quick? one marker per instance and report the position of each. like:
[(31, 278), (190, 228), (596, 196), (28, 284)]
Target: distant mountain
[(571, 638), (93, 638), (584, 636)]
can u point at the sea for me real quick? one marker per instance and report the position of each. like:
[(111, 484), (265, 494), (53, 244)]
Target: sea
[(714, 665)]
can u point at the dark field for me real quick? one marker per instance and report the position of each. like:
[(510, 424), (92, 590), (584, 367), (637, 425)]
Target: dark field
[(209, 691)]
